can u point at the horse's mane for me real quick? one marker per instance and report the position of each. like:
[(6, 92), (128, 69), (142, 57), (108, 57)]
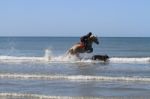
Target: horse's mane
[(92, 37)]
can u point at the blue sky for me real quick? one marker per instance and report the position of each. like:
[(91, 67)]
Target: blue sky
[(110, 18)]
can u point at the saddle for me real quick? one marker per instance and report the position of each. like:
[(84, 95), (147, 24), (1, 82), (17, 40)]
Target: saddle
[(81, 45)]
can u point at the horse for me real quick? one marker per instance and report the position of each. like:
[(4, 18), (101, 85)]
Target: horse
[(80, 48)]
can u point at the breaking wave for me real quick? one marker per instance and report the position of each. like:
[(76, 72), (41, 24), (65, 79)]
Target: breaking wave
[(72, 77), (130, 60), (49, 58), (66, 59), (37, 96)]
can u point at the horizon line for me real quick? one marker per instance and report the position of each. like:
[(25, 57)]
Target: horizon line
[(80, 36)]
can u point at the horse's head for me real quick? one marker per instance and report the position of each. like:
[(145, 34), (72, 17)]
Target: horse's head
[(94, 39)]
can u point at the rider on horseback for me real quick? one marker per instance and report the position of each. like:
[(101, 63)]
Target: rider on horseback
[(85, 46), (84, 40)]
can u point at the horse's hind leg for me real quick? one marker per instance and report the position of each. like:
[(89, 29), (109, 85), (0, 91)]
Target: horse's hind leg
[(71, 52), (78, 55)]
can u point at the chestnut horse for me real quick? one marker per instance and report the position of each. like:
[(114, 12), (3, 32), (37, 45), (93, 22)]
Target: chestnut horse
[(79, 47)]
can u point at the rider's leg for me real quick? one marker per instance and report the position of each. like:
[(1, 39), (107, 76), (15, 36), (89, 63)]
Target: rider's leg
[(86, 45)]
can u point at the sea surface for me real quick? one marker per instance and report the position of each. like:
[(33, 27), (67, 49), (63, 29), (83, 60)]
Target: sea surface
[(38, 68)]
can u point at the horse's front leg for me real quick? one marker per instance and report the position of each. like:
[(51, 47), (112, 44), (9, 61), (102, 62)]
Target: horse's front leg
[(90, 50)]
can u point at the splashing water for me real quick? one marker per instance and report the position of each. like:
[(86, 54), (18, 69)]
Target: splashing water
[(48, 54), (48, 57)]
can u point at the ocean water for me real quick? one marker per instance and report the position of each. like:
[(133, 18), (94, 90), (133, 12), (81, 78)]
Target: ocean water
[(38, 68)]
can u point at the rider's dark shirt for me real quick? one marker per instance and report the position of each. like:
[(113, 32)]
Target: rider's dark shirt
[(84, 38)]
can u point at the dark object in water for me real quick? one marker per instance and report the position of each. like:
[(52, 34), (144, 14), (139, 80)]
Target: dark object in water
[(100, 57)]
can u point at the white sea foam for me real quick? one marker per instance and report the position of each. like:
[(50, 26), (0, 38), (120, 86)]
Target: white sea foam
[(69, 59), (72, 77), (129, 60), (48, 57), (17, 59), (37, 96)]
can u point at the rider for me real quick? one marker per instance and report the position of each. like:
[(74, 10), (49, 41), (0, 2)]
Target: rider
[(84, 40)]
